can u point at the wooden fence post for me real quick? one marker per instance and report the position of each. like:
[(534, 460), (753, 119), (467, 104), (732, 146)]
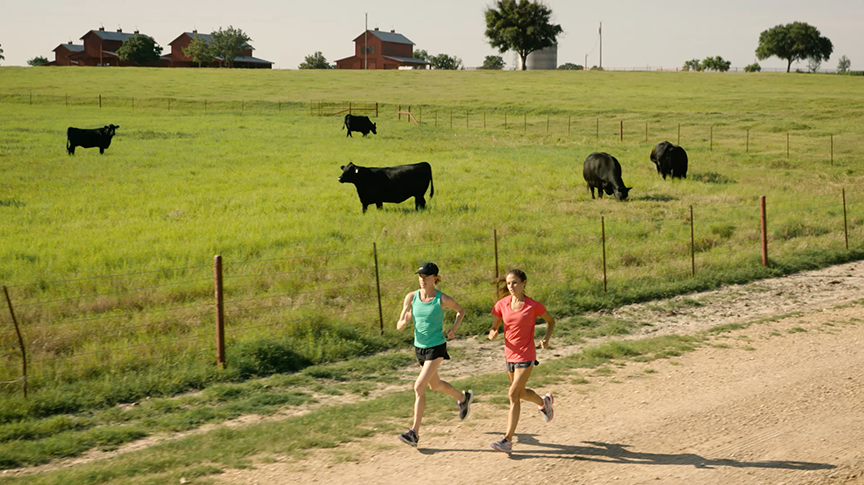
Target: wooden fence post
[(398, 112), (692, 244), (620, 130), (505, 121), (832, 149), (100, 100), (420, 114), (376, 109), (845, 226), (603, 237), (378, 288), (711, 139), (20, 341), (764, 228), (220, 312), (547, 124)]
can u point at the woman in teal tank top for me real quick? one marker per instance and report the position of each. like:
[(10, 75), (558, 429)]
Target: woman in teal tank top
[(426, 308)]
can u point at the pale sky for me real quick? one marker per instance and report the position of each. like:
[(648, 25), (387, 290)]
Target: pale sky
[(636, 33)]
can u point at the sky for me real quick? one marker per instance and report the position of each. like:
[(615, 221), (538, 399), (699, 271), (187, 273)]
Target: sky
[(637, 34)]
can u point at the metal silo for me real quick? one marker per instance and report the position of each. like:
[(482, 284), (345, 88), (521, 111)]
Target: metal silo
[(539, 60)]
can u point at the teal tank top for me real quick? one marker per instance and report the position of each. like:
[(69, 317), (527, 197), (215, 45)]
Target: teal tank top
[(428, 321)]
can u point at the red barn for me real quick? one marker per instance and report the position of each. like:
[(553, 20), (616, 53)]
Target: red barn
[(178, 59), (63, 54), (383, 50)]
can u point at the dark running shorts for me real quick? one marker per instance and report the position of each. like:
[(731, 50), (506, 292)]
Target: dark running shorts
[(431, 353), (512, 366)]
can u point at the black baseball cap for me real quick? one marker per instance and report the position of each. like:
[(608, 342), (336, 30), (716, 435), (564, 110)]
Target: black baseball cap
[(427, 269)]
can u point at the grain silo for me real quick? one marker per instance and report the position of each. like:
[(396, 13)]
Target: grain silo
[(539, 60)]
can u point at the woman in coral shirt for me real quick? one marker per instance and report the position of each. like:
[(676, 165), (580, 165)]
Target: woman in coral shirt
[(519, 314)]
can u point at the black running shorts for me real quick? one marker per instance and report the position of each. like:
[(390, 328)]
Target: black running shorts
[(431, 353)]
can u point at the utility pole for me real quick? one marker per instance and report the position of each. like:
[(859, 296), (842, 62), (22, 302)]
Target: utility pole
[(601, 45), (366, 44), (586, 62)]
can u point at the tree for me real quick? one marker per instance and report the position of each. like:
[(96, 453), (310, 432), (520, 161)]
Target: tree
[(813, 64), (421, 55), (569, 66), (443, 61), (1, 54), (755, 67), (693, 65), (843, 65), (229, 44), (794, 42), (38, 61), (315, 61), (200, 51), (715, 63), (493, 62), (139, 49), (522, 26)]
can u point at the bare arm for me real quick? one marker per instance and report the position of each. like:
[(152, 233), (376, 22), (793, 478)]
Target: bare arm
[(450, 303), (405, 316), (493, 333), (550, 326)]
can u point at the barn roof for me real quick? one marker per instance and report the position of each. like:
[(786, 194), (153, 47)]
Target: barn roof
[(108, 35), (71, 47), (391, 37), (251, 60), (205, 38), (409, 60)]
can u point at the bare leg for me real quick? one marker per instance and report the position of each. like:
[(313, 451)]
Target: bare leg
[(429, 377), (517, 394)]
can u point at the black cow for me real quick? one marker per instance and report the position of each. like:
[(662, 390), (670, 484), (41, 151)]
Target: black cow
[(100, 137), (670, 160), (376, 185), (602, 171), (361, 124)]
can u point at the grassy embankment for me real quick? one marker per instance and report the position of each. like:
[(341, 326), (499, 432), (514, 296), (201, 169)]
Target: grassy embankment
[(257, 185)]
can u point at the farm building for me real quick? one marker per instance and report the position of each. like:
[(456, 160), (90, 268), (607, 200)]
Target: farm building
[(64, 52), (176, 58), (374, 49), (100, 49)]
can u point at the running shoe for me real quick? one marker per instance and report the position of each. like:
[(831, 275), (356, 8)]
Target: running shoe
[(504, 446), (409, 438), (546, 408), (465, 404)]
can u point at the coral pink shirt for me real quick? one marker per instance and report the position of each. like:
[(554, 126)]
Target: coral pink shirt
[(519, 328)]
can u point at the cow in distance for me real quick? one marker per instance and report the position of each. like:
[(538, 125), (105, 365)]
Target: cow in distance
[(670, 160), (376, 185), (603, 172), (361, 124), (86, 138)]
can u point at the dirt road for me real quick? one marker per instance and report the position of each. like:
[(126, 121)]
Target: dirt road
[(778, 402)]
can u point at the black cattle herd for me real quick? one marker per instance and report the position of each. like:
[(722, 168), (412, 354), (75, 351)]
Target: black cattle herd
[(376, 185)]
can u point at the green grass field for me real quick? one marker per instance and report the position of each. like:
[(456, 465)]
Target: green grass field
[(109, 259)]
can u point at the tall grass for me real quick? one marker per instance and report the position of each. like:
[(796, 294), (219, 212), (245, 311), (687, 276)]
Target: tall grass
[(256, 183)]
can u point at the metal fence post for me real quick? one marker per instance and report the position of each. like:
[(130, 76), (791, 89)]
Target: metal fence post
[(220, 312), (845, 226), (378, 288), (764, 227), (20, 340), (692, 244), (603, 237)]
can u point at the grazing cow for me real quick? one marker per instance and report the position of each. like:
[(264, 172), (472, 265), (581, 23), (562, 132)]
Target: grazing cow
[(670, 160), (376, 185), (602, 171), (361, 124), (100, 137)]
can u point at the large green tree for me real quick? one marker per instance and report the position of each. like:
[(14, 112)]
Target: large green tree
[(493, 62), (794, 42), (444, 61), (229, 44), (421, 55), (139, 49), (199, 50), (521, 26), (38, 61), (315, 61)]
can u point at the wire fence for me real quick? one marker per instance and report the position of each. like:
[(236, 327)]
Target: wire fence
[(67, 329)]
